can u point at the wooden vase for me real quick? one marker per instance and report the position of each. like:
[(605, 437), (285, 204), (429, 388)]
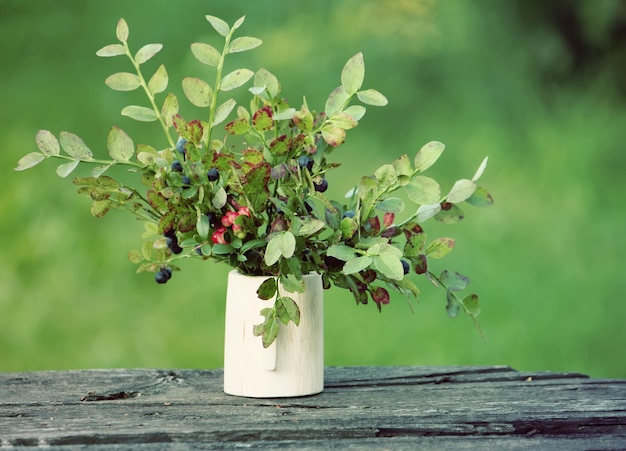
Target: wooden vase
[(294, 364)]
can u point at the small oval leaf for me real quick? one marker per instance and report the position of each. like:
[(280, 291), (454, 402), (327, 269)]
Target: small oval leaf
[(158, 82), (120, 145), (218, 25), (461, 191), (169, 109), (123, 81), (243, 44), (222, 111), (74, 146), (29, 160), (428, 155), (197, 91), (353, 74), (47, 142), (265, 79), (111, 50), (147, 52), (206, 54), (139, 113), (236, 79), (336, 101), (122, 31), (423, 190), (372, 97), (66, 169)]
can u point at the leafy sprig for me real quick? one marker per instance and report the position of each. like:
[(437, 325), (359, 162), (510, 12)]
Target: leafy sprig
[(261, 206)]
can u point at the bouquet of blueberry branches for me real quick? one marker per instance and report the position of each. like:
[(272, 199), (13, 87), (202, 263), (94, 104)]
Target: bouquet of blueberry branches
[(245, 185)]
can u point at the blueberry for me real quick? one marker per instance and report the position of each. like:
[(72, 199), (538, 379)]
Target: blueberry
[(212, 217), (322, 186), (186, 181), (305, 162), (173, 246), (177, 167), (348, 214), (162, 276), (180, 145), (405, 266), (213, 174)]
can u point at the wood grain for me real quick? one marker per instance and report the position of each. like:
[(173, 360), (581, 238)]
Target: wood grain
[(361, 407)]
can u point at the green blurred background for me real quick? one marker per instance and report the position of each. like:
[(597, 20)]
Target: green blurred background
[(537, 85)]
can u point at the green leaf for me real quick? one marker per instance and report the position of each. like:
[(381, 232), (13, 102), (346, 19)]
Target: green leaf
[(423, 190), (333, 135), (244, 43), (281, 244), (403, 169), (235, 79), (287, 310), (120, 145), (428, 155), (123, 81), (74, 146), (135, 256), (372, 97), (206, 54), (353, 74), (290, 282), (158, 82), (239, 22), (121, 31), (197, 91), (218, 25), (440, 247), (425, 212), (66, 169), (355, 111), (480, 198), (343, 121), (341, 252), (311, 226), (357, 264), (284, 115), (47, 142), (389, 265), (111, 50), (461, 191), (30, 160), (219, 198), (99, 170), (264, 78), (391, 205), (202, 225), (336, 101), (169, 109), (267, 289), (386, 177), (146, 52), (99, 208), (472, 305), (139, 113), (453, 280), (480, 170), (222, 111), (452, 306), (450, 214)]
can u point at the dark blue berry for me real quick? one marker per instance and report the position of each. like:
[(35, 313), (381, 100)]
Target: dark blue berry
[(213, 174), (322, 186), (162, 276), (348, 214), (186, 181), (405, 266), (212, 218), (305, 162), (173, 246), (177, 167), (180, 145)]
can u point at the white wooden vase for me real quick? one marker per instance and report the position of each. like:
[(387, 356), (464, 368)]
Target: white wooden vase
[(294, 364)]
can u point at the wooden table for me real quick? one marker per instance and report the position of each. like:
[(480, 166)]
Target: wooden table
[(361, 408)]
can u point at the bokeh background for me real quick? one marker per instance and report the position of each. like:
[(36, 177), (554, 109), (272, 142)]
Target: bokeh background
[(537, 85)]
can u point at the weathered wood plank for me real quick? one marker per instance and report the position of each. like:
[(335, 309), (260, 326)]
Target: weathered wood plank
[(361, 407)]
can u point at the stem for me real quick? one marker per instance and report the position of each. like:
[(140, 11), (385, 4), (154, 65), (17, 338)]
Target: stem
[(144, 85), (216, 89), (96, 161)]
